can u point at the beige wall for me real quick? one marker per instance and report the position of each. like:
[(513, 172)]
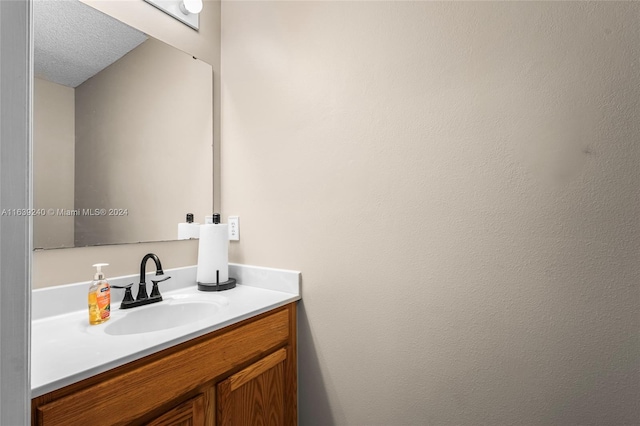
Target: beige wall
[(458, 183), (144, 144), (54, 267), (53, 162)]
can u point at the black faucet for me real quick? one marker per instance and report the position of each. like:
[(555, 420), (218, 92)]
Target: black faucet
[(142, 298)]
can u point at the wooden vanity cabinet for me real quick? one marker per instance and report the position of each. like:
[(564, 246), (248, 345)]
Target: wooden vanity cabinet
[(244, 374)]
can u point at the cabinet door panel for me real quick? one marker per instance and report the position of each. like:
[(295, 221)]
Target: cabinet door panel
[(255, 395), (189, 413)]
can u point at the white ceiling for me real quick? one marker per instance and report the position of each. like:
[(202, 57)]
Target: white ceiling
[(73, 41)]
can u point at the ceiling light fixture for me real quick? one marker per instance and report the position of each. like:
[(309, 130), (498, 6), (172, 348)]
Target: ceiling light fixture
[(186, 11), (191, 6)]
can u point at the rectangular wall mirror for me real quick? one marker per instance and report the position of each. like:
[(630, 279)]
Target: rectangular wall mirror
[(122, 134)]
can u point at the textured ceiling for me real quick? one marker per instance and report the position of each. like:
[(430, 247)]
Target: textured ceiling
[(73, 41)]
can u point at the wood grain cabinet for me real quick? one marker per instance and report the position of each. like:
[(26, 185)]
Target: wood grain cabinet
[(255, 395), (189, 413), (244, 374)]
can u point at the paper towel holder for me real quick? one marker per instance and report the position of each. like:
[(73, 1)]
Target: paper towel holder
[(209, 234), (217, 286)]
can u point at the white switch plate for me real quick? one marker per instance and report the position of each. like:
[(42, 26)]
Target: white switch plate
[(234, 228)]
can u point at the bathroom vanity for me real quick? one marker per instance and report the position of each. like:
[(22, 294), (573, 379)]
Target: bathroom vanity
[(235, 367)]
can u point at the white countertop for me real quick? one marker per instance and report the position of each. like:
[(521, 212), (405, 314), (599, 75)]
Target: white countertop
[(66, 349)]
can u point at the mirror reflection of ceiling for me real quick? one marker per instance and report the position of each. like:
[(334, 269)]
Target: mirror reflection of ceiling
[(72, 44)]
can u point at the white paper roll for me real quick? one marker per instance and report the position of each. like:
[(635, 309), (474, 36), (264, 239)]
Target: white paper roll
[(213, 254), (194, 230), (188, 230), (183, 231)]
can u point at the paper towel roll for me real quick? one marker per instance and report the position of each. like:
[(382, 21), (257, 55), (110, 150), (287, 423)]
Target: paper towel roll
[(183, 231), (213, 254), (188, 230)]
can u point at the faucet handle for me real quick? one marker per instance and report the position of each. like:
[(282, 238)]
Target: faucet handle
[(159, 281), (121, 286), (128, 296), (155, 292)]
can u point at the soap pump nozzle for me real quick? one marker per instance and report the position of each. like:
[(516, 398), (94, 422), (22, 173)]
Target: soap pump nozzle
[(99, 275)]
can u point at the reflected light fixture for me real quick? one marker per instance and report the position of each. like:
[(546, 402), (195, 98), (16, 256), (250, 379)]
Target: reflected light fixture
[(186, 11), (190, 6)]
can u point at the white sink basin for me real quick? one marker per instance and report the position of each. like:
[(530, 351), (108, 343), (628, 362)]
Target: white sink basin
[(163, 315)]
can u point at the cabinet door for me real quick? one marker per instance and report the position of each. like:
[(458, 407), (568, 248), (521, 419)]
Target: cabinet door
[(189, 413), (255, 395)]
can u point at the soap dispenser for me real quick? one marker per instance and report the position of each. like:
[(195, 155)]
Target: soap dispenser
[(99, 297)]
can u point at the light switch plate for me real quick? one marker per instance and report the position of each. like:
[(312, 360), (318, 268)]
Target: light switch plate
[(234, 228)]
